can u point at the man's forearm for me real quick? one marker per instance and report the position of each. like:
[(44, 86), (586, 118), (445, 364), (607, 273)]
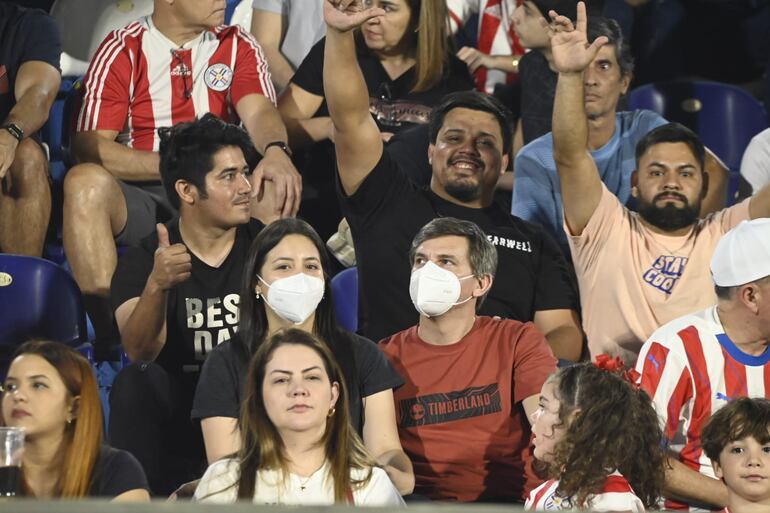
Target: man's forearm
[(346, 94), (262, 121), (143, 335), (570, 124), (686, 484), (123, 162), (31, 110)]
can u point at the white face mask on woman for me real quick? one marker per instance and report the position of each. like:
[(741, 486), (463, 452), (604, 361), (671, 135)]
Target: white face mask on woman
[(435, 290), (294, 298)]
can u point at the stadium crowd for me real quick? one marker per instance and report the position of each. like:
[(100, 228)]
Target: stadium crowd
[(559, 300)]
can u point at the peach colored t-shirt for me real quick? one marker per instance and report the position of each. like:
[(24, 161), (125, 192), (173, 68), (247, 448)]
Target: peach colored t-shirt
[(633, 280)]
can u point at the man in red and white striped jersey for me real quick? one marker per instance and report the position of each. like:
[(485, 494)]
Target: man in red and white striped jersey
[(170, 67), (694, 365)]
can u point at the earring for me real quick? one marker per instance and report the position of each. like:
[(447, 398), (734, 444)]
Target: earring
[(258, 295), (332, 411), (69, 421)]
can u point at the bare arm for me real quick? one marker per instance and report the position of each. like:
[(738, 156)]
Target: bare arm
[(718, 176), (35, 90), (381, 439), (530, 405), (579, 177), (684, 483), (100, 147), (357, 139), (264, 125), (221, 437), (135, 495), (760, 203), (142, 321), (270, 28), (297, 107), (562, 331)]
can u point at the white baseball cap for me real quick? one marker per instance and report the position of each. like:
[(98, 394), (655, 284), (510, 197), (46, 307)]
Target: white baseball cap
[(743, 254)]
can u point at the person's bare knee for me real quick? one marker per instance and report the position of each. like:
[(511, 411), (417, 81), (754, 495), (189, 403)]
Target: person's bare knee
[(92, 194), (29, 171)]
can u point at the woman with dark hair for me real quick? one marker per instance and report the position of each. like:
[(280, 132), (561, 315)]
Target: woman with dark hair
[(51, 392), (297, 446), (598, 440), (286, 285)]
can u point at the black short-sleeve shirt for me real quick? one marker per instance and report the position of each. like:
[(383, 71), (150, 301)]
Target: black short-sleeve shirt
[(220, 387), (116, 472), (385, 214), (25, 35), (201, 312), (391, 101)]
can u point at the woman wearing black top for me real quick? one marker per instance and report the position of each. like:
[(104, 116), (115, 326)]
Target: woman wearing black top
[(286, 285), (51, 392)]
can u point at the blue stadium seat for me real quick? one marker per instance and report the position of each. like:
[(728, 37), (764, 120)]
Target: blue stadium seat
[(345, 293), (38, 299), (726, 117)]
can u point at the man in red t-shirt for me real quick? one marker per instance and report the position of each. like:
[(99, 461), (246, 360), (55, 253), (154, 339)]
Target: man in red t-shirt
[(472, 381)]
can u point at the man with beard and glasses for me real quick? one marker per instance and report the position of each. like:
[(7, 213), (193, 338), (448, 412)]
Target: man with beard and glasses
[(470, 145), (636, 271)]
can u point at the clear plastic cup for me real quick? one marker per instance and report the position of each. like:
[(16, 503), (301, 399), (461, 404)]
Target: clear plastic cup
[(11, 454)]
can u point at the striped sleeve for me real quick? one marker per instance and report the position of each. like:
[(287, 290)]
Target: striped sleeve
[(251, 71), (617, 495), (108, 82), (666, 379)]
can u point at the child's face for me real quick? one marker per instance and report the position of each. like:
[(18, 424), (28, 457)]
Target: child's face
[(744, 465), (545, 423)]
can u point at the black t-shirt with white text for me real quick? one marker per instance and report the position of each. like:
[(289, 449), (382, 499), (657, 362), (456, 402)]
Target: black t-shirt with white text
[(203, 311), (25, 35), (388, 210)]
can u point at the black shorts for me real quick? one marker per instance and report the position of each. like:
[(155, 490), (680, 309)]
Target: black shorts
[(147, 205)]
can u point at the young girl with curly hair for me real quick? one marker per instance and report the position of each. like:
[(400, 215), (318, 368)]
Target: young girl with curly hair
[(598, 440)]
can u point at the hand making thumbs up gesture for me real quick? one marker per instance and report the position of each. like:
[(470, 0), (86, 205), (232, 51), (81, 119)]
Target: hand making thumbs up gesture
[(172, 263)]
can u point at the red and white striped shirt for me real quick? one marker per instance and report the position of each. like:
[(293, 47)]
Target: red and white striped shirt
[(139, 80), (616, 495), (691, 368), (495, 34)]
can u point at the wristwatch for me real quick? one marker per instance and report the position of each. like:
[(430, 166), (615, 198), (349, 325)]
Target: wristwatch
[(15, 130), (281, 145)]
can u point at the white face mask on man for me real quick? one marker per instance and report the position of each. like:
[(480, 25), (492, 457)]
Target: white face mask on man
[(294, 298), (435, 290)]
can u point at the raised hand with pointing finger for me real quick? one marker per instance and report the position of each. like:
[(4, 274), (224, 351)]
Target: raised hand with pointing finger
[(570, 48), (172, 264)]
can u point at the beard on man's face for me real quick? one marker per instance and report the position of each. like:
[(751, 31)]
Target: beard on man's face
[(669, 217), (464, 192)]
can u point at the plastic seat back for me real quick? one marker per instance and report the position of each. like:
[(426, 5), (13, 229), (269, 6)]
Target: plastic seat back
[(345, 293), (726, 117), (38, 299)]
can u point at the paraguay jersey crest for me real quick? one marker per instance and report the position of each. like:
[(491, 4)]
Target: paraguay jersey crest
[(218, 76)]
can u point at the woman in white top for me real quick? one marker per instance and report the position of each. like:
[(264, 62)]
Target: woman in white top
[(297, 446)]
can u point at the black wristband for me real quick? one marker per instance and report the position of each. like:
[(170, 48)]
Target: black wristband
[(14, 130), (281, 145)]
